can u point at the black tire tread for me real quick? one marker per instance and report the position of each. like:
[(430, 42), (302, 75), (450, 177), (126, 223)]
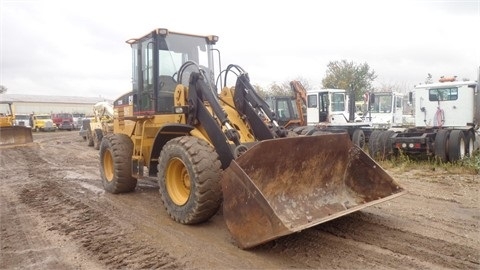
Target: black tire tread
[(454, 147), (374, 143), (121, 148), (98, 133), (206, 194), (358, 138), (440, 146)]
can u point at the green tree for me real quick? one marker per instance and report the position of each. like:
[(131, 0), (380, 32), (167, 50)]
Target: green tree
[(349, 76), (3, 89)]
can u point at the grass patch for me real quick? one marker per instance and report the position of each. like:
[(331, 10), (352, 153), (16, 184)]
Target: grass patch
[(468, 165)]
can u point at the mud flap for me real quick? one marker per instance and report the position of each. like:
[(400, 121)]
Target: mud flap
[(286, 185), (15, 135)]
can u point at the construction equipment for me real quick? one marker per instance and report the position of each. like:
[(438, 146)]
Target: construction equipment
[(445, 123), (203, 144), (329, 111), (93, 129), (11, 134), (290, 110)]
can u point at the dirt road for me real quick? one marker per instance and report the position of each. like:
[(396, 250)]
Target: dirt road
[(54, 214)]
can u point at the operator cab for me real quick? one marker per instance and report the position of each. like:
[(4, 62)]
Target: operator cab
[(161, 60)]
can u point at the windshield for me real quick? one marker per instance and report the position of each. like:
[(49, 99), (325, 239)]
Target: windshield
[(78, 115), (338, 102), (175, 50), (382, 104), (43, 117), (22, 117)]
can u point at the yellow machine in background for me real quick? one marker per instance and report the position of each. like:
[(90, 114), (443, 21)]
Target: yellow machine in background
[(206, 143), (94, 128), (10, 134)]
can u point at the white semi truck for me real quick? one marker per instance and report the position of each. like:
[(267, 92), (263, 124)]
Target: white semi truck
[(446, 120)]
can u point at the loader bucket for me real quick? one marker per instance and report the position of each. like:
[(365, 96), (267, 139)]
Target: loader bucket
[(286, 185), (15, 135)]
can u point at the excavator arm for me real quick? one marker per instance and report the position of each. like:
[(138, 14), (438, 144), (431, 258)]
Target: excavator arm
[(300, 100)]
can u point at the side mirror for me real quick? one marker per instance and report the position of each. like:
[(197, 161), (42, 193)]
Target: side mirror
[(410, 97)]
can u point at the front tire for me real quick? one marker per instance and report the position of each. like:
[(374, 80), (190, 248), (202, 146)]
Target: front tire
[(116, 152), (189, 180)]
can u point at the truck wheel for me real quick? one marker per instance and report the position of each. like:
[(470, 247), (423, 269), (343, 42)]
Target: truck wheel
[(116, 152), (97, 139), (358, 138), (456, 145), (374, 143), (440, 146), (189, 180), (469, 143), (386, 144)]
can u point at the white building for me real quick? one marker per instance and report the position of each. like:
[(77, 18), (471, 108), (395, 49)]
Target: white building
[(40, 104)]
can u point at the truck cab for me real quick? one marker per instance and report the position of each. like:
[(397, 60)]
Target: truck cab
[(63, 121), (43, 122), (22, 120), (385, 110), (328, 106), (444, 104)]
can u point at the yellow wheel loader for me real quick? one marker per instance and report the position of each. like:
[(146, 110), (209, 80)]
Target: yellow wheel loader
[(102, 123), (210, 145), (11, 134)]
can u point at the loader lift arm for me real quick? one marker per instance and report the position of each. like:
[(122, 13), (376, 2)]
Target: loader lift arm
[(198, 93), (256, 110)]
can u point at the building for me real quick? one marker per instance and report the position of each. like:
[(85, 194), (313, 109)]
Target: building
[(41, 104)]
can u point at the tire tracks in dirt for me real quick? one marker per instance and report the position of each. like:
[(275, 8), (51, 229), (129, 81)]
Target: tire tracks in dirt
[(67, 215), (99, 235)]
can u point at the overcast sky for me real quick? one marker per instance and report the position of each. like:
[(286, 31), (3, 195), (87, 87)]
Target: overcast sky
[(77, 48)]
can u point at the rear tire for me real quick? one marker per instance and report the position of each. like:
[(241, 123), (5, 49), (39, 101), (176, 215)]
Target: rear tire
[(440, 146), (386, 144), (456, 145), (88, 137), (97, 139), (358, 138), (116, 152), (189, 179), (374, 143), (469, 143)]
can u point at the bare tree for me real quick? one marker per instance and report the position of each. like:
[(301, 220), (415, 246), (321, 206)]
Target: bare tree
[(284, 89), (429, 79), (3, 89)]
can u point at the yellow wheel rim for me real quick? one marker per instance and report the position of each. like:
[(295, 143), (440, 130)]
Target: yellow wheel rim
[(108, 166), (177, 181)]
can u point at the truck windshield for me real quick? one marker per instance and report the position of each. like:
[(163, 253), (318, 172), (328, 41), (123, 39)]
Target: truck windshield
[(382, 104), (338, 102)]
